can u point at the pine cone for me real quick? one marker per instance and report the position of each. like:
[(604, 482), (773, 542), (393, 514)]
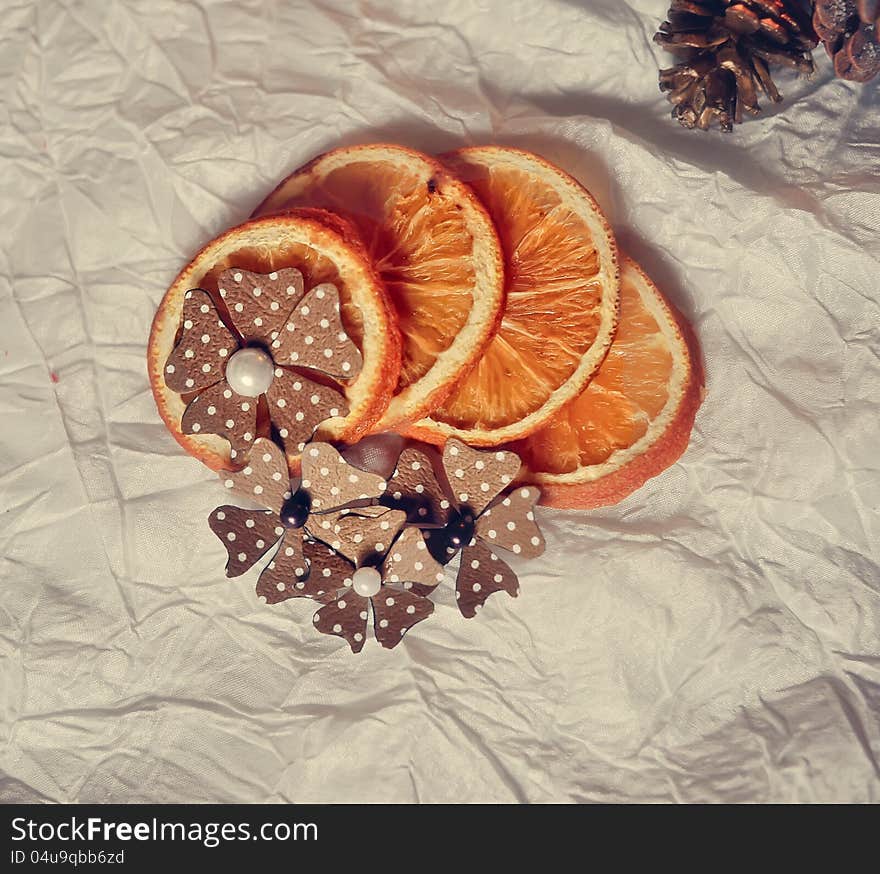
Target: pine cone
[(850, 31), (727, 47)]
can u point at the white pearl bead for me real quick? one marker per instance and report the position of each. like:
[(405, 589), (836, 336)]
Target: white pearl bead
[(367, 581), (249, 372)]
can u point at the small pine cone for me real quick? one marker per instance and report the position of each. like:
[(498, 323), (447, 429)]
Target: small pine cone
[(850, 31), (726, 49)]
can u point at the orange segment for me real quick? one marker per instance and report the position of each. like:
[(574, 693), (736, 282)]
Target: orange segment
[(562, 294), (434, 247), (634, 419)]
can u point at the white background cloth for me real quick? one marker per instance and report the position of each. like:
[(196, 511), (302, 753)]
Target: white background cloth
[(712, 638)]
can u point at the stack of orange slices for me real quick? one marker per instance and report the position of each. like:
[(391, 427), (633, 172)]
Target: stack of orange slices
[(486, 293)]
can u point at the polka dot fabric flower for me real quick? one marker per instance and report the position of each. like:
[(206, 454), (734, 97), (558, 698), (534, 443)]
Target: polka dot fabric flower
[(477, 519), (328, 482), (248, 349), (359, 544), (390, 591)]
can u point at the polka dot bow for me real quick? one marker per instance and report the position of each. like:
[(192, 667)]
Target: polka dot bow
[(475, 519), (393, 591), (321, 509), (267, 330)]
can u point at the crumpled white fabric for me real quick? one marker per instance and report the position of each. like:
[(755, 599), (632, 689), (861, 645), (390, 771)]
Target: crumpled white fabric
[(712, 638)]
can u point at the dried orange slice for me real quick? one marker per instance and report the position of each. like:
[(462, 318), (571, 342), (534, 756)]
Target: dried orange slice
[(434, 247), (634, 419), (324, 248), (562, 287)]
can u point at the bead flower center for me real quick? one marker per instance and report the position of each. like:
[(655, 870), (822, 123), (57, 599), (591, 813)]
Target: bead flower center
[(367, 581), (249, 372)]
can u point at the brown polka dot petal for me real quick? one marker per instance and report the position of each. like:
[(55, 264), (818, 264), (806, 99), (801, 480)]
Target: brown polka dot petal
[(258, 303), (325, 526), (361, 537), (510, 523), (481, 574), (395, 612), (297, 406), (332, 482), (283, 577), (414, 488), (409, 564), (219, 410), (264, 479), (199, 358), (477, 477), (247, 535), (863, 53), (346, 617), (315, 337), (330, 573)]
